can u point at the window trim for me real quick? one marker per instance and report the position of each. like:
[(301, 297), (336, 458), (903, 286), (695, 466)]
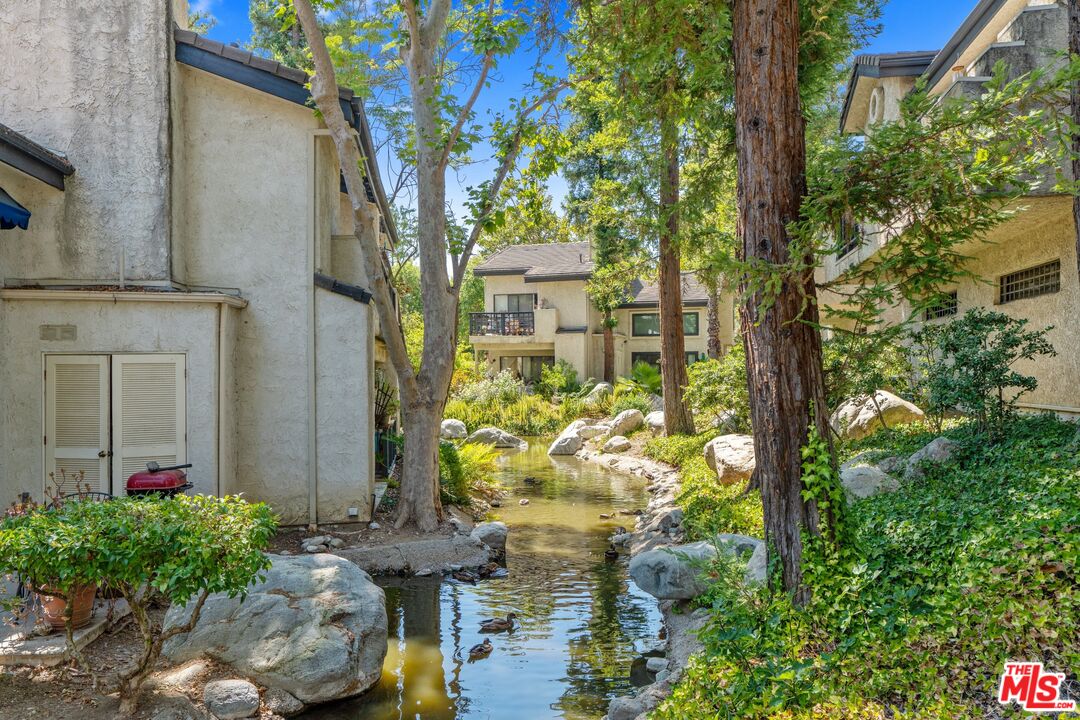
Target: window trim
[(495, 301), (856, 241), (635, 333)]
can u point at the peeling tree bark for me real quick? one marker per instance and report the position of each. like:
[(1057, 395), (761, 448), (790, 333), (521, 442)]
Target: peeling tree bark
[(609, 350), (713, 313), (677, 417), (783, 347)]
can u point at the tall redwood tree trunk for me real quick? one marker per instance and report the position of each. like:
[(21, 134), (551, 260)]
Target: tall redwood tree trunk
[(1074, 51), (677, 417), (783, 350)]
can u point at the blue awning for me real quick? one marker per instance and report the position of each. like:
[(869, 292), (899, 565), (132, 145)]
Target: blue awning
[(12, 214)]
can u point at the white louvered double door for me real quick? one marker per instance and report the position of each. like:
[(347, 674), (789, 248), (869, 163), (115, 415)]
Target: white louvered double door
[(106, 416)]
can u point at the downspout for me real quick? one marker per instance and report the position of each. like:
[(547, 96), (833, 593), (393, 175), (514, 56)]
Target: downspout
[(220, 397), (309, 273)]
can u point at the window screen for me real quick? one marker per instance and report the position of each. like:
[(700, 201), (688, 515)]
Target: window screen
[(1040, 280), (945, 307)]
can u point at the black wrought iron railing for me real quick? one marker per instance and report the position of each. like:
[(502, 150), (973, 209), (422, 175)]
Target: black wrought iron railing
[(386, 453), (505, 323)]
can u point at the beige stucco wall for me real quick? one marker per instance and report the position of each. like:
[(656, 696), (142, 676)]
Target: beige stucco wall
[(567, 296), (1042, 233), (103, 326), (94, 86), (345, 406), (258, 205)]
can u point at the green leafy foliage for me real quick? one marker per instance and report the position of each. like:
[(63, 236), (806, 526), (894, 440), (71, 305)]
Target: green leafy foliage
[(504, 387), (644, 378), (527, 415), (969, 365), (558, 379), (709, 506), (182, 548), (945, 580), (465, 471), (860, 363), (718, 389)]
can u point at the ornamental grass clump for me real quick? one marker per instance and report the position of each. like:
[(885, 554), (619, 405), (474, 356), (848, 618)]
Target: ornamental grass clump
[(181, 549)]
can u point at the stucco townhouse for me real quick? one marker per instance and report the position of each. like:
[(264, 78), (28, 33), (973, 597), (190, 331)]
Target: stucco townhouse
[(1027, 267), (537, 311), (179, 279)]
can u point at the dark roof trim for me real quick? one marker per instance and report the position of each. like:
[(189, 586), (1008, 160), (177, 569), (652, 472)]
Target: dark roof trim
[(25, 155), (337, 287), (899, 64), (965, 34), (287, 83), (555, 277), (646, 305), (572, 330), (479, 272)]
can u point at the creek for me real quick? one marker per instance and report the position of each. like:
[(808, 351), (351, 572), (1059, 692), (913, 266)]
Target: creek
[(580, 617)]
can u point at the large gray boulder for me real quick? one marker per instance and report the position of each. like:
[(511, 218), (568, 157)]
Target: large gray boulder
[(935, 452), (453, 430), (655, 422), (626, 422), (858, 417), (731, 457), (492, 534), (617, 444), (433, 555), (569, 440), (674, 573), (498, 438), (863, 481), (600, 391), (231, 699), (315, 628)]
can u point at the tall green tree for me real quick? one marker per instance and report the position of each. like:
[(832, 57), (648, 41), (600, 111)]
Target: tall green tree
[(430, 41)]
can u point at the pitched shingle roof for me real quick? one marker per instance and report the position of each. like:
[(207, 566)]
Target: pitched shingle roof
[(642, 295), (539, 263)]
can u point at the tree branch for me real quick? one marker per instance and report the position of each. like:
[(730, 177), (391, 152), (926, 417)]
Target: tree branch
[(512, 151), (434, 22), (325, 92), (466, 110)]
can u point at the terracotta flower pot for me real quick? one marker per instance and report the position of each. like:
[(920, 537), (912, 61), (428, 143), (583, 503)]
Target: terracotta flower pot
[(53, 607)]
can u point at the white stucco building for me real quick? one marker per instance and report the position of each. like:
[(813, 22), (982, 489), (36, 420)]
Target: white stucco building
[(537, 311), (188, 287), (1026, 267)]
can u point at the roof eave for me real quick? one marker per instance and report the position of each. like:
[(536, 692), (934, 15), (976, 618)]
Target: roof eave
[(972, 26)]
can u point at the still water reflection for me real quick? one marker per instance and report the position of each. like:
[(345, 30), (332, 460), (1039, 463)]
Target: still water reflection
[(579, 614)]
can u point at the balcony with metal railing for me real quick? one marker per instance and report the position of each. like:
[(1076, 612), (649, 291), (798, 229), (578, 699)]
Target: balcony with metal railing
[(503, 324)]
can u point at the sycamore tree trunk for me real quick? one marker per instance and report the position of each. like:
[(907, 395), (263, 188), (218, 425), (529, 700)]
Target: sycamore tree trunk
[(1074, 52), (609, 349), (677, 417), (783, 346), (713, 348)]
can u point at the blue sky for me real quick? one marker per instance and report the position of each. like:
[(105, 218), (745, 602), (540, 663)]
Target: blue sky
[(907, 25)]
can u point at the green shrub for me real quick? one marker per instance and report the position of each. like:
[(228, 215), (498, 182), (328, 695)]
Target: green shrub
[(505, 387), (858, 364), (628, 396), (646, 378), (528, 415), (968, 365), (558, 379), (183, 548), (719, 386), (709, 506), (940, 584)]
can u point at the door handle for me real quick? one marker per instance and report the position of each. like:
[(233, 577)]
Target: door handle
[(104, 453)]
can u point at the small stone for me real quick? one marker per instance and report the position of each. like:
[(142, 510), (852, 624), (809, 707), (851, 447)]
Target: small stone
[(315, 549), (663, 675), (285, 552), (337, 542), (456, 567), (374, 525), (282, 703), (523, 501), (231, 699), (617, 444), (621, 538), (423, 572), (318, 540), (656, 664)]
